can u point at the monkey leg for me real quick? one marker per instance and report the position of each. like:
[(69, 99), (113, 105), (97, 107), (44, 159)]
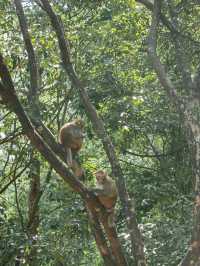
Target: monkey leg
[(69, 157), (111, 217), (77, 169)]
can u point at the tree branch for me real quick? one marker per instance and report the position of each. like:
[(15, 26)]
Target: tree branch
[(149, 5), (15, 176), (158, 67), (182, 62), (34, 73), (8, 93), (18, 207), (9, 96), (11, 137), (170, 26), (192, 257), (34, 171), (98, 126)]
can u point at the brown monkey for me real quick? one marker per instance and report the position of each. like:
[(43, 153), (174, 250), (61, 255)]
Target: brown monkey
[(71, 137), (106, 191)]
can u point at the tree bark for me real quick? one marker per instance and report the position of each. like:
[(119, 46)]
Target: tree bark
[(35, 115), (98, 126), (192, 256), (9, 98), (33, 211), (187, 108), (34, 193)]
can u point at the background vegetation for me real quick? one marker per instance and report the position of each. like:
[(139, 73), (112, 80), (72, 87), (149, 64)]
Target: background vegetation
[(108, 41)]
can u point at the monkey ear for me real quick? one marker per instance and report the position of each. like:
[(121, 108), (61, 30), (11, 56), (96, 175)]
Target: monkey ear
[(102, 177), (79, 122)]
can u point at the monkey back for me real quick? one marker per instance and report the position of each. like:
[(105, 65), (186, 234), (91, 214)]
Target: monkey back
[(71, 136)]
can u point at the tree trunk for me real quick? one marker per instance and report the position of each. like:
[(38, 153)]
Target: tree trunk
[(188, 108), (34, 194), (9, 98), (33, 210), (192, 256), (135, 235)]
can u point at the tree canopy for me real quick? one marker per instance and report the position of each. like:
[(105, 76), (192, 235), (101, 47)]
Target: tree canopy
[(130, 70)]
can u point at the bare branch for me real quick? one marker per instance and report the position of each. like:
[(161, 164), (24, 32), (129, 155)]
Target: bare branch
[(3, 117), (8, 93), (11, 137), (148, 4), (157, 155), (34, 73), (39, 4), (15, 178), (159, 68), (170, 26), (182, 61)]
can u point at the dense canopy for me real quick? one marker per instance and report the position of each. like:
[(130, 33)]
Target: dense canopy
[(130, 70)]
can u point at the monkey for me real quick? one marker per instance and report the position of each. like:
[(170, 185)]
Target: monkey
[(78, 170), (71, 137), (106, 191)]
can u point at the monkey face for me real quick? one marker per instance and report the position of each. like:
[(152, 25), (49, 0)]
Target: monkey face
[(79, 123), (100, 176)]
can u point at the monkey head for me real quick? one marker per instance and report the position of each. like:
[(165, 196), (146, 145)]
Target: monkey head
[(79, 123), (100, 176)]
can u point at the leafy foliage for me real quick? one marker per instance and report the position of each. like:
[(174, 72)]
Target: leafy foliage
[(108, 44)]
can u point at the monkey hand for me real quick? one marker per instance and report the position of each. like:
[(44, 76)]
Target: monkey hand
[(70, 163)]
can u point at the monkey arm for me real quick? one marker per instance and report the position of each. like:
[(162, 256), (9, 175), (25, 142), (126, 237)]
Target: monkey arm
[(78, 133), (77, 169), (69, 157), (100, 192), (108, 190)]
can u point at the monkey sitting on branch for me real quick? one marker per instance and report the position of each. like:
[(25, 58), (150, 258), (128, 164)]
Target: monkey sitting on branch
[(106, 191), (71, 137)]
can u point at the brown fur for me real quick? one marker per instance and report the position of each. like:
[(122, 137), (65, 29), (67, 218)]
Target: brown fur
[(71, 135), (106, 191), (77, 169)]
